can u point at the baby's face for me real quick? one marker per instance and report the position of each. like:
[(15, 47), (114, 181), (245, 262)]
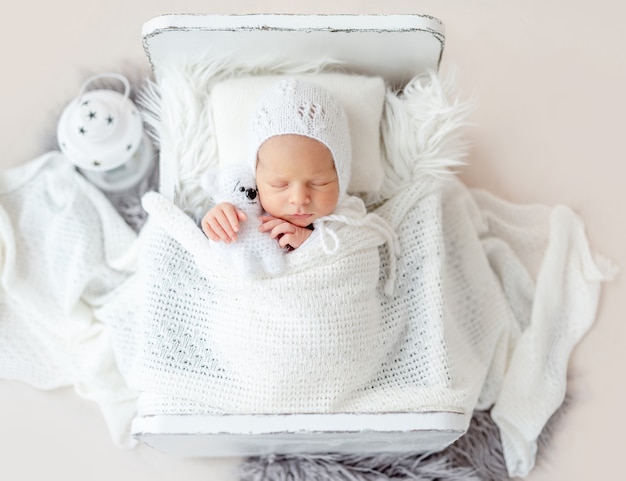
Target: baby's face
[(296, 179)]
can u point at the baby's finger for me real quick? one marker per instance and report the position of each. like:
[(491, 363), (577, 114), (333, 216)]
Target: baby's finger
[(242, 215), (208, 229), (283, 228), (285, 240), (265, 218), (230, 221), (216, 233), (222, 226), (270, 224)]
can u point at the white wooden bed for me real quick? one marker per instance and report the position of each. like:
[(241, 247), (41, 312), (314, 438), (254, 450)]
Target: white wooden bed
[(397, 47)]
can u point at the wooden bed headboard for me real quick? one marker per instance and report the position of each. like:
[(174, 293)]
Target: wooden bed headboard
[(396, 47)]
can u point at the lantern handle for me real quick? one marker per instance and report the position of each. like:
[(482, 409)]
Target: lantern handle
[(93, 78)]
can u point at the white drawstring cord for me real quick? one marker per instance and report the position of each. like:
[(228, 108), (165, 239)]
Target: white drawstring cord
[(371, 220)]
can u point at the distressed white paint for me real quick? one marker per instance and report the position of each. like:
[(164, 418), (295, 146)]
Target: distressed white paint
[(394, 46), (246, 435)]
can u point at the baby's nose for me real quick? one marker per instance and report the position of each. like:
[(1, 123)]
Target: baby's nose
[(299, 196)]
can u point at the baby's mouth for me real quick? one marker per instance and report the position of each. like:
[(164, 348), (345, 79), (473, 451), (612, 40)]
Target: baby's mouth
[(300, 219)]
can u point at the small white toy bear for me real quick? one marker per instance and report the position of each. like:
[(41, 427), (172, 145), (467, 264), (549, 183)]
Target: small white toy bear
[(255, 253)]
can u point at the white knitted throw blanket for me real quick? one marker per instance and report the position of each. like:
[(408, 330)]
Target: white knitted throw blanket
[(471, 323), (488, 301), (301, 341), (63, 251)]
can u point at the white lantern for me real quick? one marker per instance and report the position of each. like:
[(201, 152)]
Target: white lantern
[(101, 132)]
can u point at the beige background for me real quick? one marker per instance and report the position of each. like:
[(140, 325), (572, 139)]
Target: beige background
[(549, 78)]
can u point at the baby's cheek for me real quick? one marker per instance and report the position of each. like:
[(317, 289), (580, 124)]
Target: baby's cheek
[(268, 202), (261, 197)]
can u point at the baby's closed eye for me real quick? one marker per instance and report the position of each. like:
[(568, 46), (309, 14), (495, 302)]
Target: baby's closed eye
[(321, 183)]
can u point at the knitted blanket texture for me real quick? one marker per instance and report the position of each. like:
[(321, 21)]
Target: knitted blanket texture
[(62, 262), (469, 325), (472, 304)]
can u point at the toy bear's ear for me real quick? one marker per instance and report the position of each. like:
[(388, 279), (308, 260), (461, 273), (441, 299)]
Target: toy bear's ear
[(209, 181)]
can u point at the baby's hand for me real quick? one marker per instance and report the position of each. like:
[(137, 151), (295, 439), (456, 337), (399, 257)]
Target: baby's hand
[(221, 223), (285, 232)]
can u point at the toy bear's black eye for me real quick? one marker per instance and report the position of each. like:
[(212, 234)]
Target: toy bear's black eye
[(251, 194), (242, 189)]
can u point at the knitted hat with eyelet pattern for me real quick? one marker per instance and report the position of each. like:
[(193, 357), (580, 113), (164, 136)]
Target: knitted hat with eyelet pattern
[(293, 106)]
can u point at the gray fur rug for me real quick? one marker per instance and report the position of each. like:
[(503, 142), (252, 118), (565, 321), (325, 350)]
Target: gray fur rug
[(476, 456)]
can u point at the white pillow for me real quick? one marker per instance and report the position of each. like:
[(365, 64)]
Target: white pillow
[(234, 101)]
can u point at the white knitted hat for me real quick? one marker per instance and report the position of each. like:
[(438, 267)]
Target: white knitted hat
[(294, 106)]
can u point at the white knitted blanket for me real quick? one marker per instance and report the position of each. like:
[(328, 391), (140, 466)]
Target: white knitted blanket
[(489, 300), (301, 341), (62, 265), (471, 323)]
